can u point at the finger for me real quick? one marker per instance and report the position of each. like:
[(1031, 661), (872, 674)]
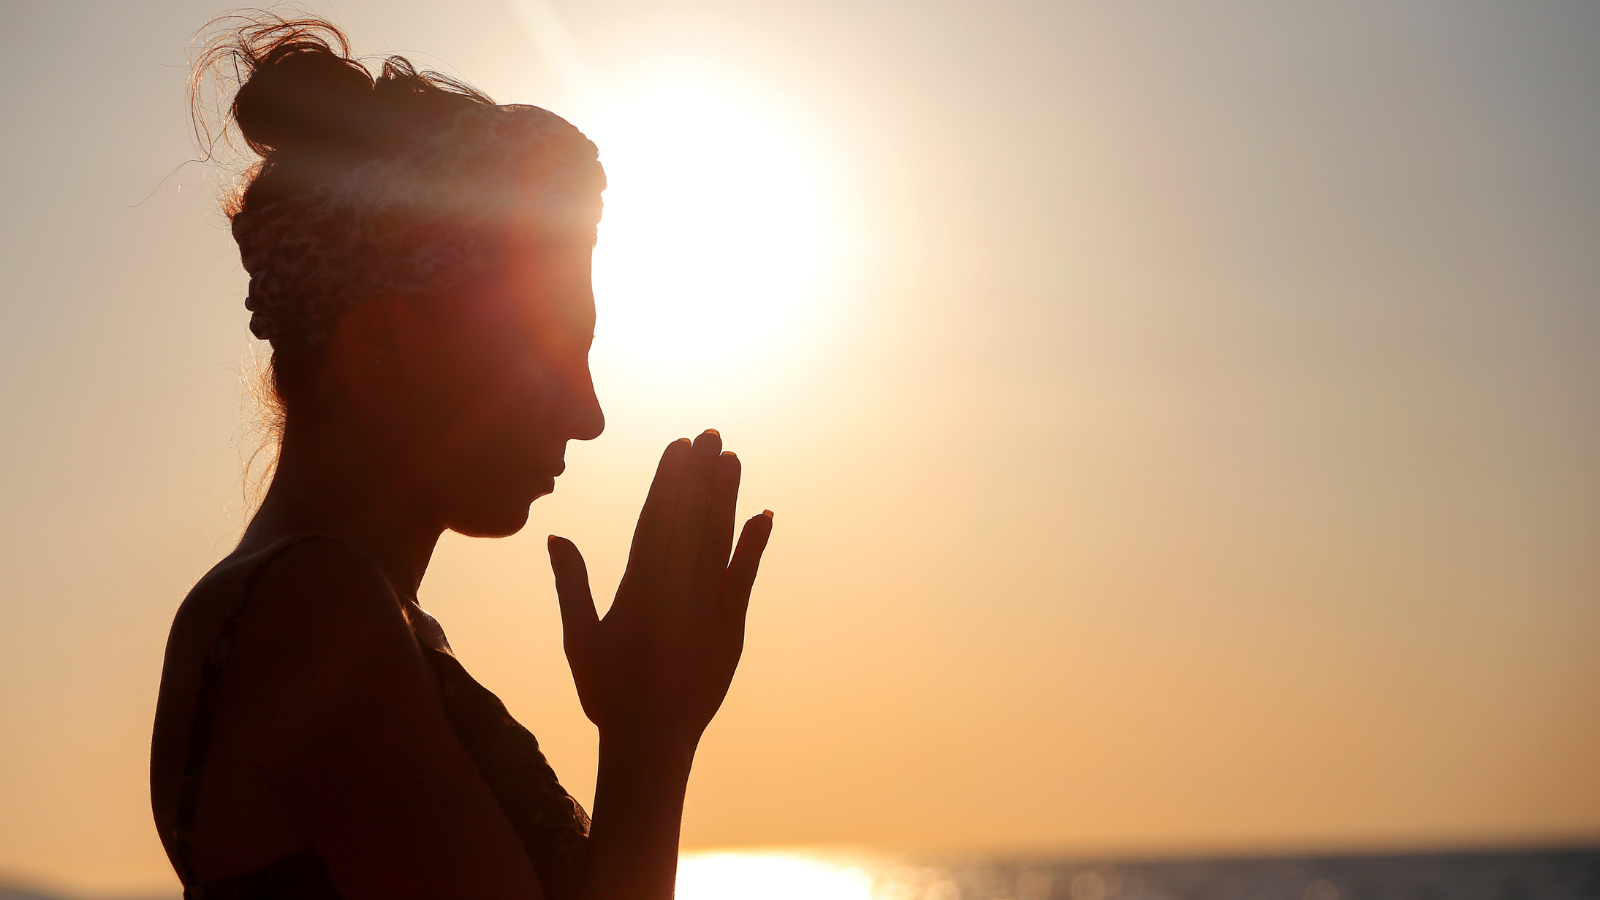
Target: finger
[(578, 616), (651, 536), (718, 537), (689, 519), (746, 560)]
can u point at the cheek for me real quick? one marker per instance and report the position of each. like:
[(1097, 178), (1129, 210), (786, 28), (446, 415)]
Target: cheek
[(506, 394), (497, 389), (464, 387)]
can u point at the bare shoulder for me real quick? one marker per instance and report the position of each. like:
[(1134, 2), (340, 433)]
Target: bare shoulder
[(323, 590), (333, 701), (329, 729), (313, 612), (322, 632), (314, 579), (309, 620)]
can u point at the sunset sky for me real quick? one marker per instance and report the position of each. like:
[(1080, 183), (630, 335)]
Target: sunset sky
[(1182, 420)]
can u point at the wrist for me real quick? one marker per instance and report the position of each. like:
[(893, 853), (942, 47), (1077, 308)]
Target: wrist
[(654, 746)]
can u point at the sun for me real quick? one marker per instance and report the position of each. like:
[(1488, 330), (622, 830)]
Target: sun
[(715, 229)]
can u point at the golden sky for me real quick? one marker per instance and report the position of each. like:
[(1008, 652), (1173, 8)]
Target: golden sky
[(1182, 422)]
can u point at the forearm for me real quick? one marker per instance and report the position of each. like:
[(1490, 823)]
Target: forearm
[(638, 809)]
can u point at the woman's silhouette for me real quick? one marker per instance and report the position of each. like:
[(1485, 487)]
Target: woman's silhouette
[(419, 260)]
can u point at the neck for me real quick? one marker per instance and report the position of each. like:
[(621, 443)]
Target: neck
[(328, 486)]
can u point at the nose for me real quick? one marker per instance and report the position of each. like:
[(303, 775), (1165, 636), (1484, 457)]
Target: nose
[(587, 418)]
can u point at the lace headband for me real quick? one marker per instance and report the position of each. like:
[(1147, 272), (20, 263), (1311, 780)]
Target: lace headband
[(447, 206)]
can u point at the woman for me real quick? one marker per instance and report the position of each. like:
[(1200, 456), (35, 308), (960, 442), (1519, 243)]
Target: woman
[(419, 260)]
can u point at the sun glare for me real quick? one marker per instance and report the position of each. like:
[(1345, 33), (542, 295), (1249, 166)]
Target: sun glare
[(714, 229), (769, 876)]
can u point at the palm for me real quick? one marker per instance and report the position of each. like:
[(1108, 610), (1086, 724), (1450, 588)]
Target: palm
[(661, 660)]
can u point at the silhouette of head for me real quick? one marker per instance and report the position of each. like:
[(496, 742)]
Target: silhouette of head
[(419, 261)]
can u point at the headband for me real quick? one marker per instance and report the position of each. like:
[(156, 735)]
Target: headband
[(449, 205)]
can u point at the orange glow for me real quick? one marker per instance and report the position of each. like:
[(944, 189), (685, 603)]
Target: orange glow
[(1181, 424)]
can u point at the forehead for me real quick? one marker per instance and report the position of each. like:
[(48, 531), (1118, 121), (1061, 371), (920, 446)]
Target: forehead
[(548, 278)]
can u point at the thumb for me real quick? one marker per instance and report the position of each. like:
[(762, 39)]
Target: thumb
[(578, 618)]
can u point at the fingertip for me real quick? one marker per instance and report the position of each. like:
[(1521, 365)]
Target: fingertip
[(759, 525), (675, 454), (709, 442)]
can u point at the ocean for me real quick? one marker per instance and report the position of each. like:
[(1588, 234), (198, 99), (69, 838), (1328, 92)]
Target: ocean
[(835, 874)]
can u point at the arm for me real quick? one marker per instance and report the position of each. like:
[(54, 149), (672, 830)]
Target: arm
[(654, 671)]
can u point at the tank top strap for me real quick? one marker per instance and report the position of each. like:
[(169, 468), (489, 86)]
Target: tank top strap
[(200, 723)]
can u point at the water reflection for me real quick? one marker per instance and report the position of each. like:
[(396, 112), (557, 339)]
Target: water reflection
[(772, 875), (803, 874), (811, 874)]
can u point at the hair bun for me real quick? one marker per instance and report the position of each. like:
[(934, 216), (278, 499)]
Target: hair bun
[(304, 98), (309, 109)]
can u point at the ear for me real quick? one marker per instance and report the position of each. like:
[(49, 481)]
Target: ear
[(411, 325), (366, 333), (362, 352)]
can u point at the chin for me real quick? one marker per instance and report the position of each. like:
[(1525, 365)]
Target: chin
[(501, 516), (498, 524)]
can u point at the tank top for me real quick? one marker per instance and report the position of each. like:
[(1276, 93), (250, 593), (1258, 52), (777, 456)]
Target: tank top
[(551, 825)]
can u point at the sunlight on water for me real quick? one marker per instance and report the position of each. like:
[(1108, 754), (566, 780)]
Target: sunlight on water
[(771, 875), (821, 873)]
